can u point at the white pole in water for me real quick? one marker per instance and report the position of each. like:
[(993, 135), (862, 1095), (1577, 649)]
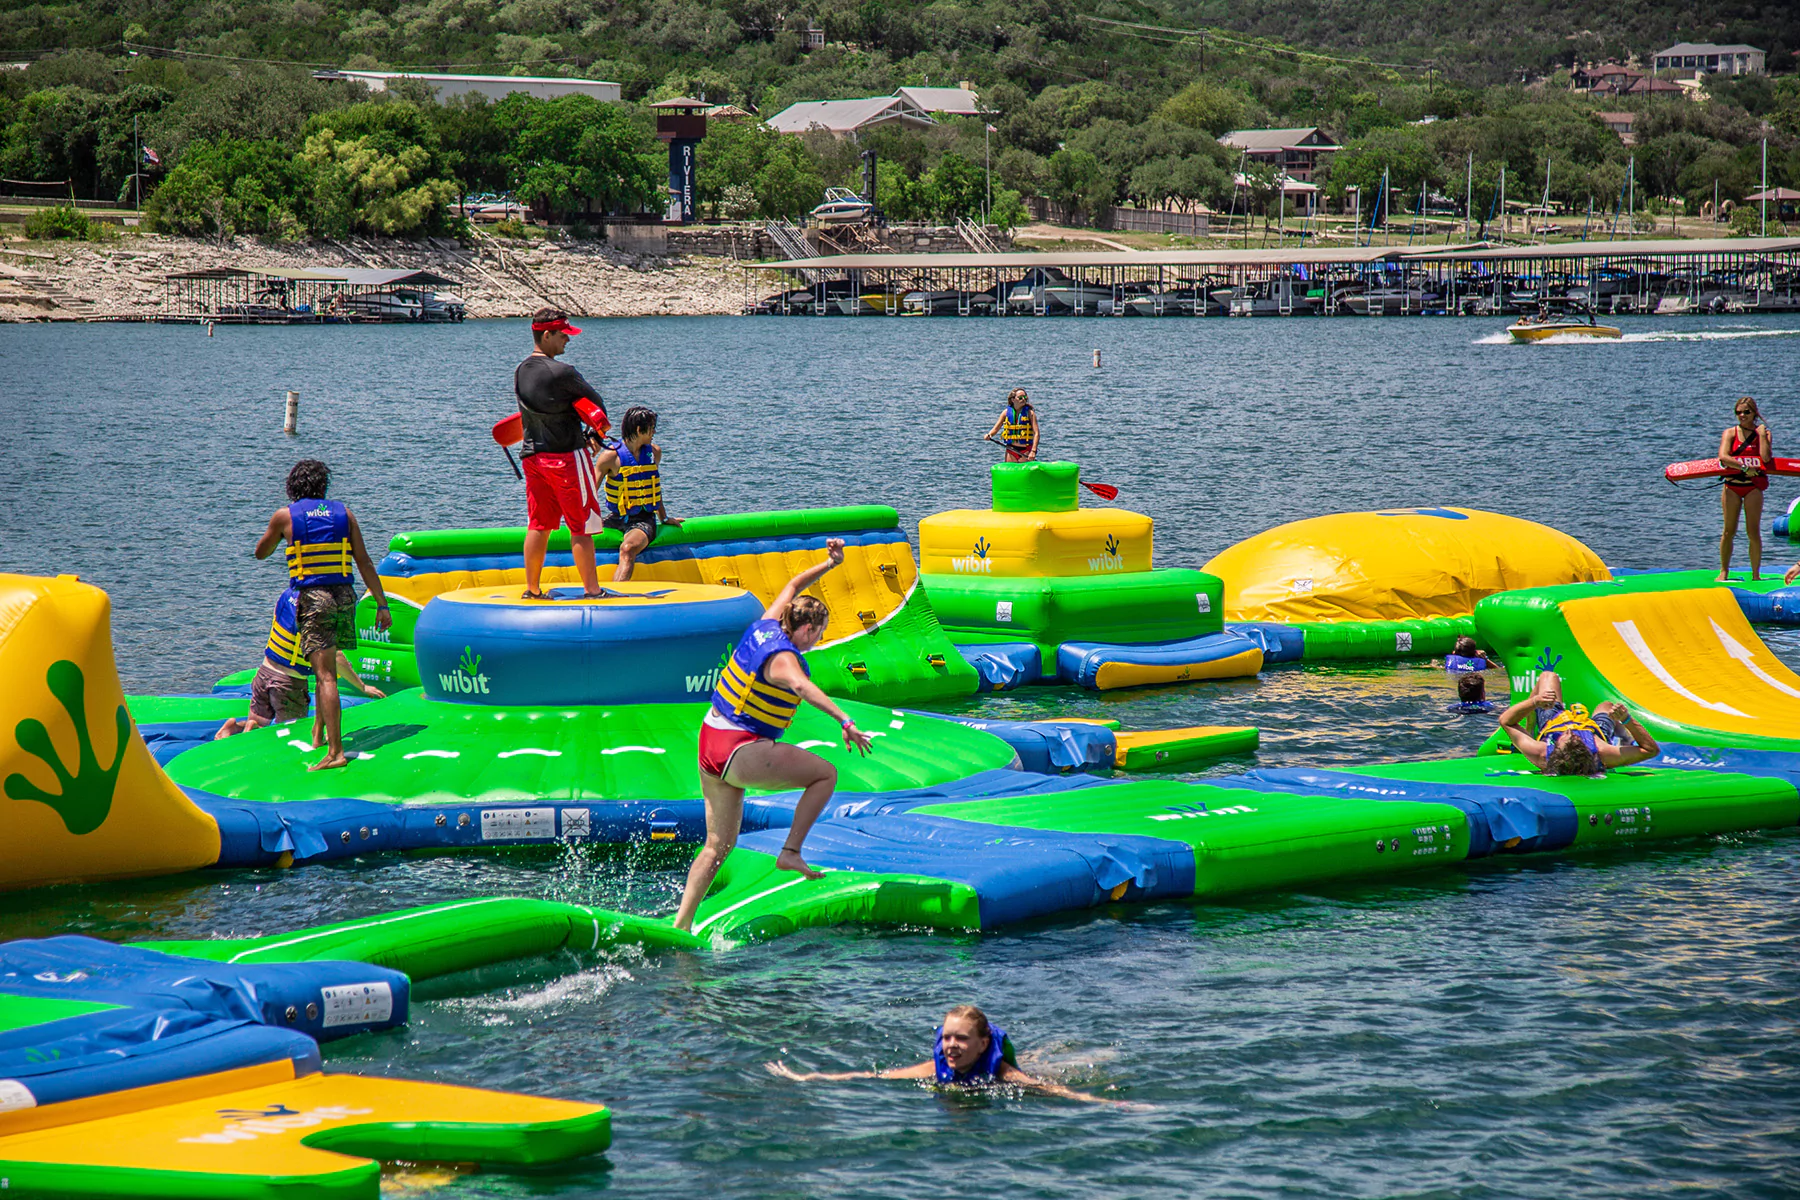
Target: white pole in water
[(291, 425), (1096, 357)]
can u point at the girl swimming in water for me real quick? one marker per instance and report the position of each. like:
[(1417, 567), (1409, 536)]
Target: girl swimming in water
[(970, 1052), (1749, 438)]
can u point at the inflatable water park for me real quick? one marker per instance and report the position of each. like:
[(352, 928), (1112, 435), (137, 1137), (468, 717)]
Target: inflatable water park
[(199, 1067)]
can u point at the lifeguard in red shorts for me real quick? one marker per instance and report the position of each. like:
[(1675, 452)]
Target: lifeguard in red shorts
[(554, 402)]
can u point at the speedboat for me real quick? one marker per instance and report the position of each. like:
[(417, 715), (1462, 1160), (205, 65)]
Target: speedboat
[(1530, 330), (842, 207)]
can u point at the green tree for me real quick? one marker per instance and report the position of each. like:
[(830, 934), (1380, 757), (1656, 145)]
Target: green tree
[(575, 149), (1205, 106), (1402, 154), (955, 188), (789, 183), (357, 187), (1077, 182)]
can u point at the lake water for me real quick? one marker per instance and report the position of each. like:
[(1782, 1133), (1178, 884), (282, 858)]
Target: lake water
[(1576, 1026)]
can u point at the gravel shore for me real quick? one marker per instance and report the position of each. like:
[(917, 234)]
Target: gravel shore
[(125, 279)]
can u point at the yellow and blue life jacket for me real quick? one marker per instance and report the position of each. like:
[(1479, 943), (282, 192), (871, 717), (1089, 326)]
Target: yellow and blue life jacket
[(638, 486), (318, 550), (988, 1069), (1573, 720), (283, 649), (1016, 428), (744, 695)]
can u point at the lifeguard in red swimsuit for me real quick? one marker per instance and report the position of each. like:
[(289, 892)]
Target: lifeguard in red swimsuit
[(1749, 438)]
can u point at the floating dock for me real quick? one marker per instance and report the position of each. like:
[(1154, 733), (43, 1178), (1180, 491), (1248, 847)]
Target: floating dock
[(1662, 277)]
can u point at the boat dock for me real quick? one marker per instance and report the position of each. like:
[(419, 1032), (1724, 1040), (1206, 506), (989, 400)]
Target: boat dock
[(1717, 275), (328, 296)]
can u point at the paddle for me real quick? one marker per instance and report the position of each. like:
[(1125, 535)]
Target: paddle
[(1105, 491), (509, 432)]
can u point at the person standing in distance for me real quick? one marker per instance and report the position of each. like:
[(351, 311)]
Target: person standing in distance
[(554, 401)]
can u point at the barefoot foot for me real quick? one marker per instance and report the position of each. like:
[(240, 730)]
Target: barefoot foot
[(330, 761), (790, 860)]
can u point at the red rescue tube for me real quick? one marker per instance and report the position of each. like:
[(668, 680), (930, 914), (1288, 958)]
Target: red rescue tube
[(1709, 468)]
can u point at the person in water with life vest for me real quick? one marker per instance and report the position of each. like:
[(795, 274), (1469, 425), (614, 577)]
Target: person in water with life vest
[(759, 690), (1568, 740), (323, 541), (554, 403), (280, 691), (1017, 428), (1466, 657), (1471, 695), (1744, 488), (970, 1052), (629, 474)]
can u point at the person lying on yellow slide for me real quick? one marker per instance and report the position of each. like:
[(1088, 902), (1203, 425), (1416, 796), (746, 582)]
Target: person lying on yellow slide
[(1568, 740)]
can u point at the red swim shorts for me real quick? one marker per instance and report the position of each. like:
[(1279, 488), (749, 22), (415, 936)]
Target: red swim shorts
[(1744, 489), (559, 488), (718, 745)]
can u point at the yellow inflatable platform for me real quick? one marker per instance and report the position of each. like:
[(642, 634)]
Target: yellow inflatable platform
[(84, 799), (1035, 530), (1399, 564), (260, 1131)]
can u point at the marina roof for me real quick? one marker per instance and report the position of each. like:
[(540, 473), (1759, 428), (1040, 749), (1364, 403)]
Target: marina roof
[(1024, 260), (354, 276)]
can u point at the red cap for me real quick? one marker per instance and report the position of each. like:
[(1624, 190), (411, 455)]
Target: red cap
[(560, 325)]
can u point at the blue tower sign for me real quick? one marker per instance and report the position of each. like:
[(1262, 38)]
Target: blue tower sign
[(682, 124)]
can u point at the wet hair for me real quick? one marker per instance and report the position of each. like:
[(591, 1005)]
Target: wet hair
[(308, 480), (1571, 756), (1755, 412), (1471, 687), (1465, 647), (637, 420), (968, 1012), (547, 313), (804, 611)]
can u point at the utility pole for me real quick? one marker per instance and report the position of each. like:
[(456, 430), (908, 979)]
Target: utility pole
[(137, 167)]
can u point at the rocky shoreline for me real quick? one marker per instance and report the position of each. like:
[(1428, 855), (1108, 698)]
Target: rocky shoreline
[(125, 280)]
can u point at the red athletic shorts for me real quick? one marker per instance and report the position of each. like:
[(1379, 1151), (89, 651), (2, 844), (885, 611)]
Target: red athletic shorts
[(559, 488), (718, 745)]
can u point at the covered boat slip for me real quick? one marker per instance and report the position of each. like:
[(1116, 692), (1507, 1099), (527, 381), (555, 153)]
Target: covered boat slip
[(1701, 275)]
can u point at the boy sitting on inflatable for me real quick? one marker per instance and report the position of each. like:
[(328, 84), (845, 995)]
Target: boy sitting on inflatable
[(1569, 741), (970, 1052)]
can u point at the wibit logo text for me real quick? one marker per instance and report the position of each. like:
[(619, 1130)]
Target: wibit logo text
[(710, 680), (979, 564), (1112, 560), (467, 678), (246, 1125)]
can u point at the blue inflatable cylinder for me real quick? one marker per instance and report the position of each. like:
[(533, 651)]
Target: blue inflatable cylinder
[(637, 643)]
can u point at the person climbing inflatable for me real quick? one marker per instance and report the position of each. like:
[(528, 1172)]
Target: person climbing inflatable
[(323, 542), (1743, 490), (629, 472), (554, 402), (1569, 741), (758, 693), (279, 691), (1017, 428), (971, 1051)]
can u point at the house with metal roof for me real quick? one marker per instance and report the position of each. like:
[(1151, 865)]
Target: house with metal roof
[(1710, 59), (1294, 153), (960, 101), (847, 118)]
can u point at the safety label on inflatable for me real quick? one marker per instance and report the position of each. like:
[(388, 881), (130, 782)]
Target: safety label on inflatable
[(507, 824), (1003, 610), (1203, 602), (577, 823), (357, 1004)]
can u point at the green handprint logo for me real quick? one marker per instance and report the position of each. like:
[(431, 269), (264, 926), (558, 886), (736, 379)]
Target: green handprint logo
[(87, 795), (470, 662)]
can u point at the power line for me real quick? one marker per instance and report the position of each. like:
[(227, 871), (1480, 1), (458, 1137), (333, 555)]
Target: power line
[(1212, 35)]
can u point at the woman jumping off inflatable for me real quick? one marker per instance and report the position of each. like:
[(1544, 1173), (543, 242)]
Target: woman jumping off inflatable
[(1749, 438), (970, 1052), (755, 701), (1017, 427)]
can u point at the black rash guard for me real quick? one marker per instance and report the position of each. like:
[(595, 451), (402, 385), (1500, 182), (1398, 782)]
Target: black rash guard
[(547, 391)]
